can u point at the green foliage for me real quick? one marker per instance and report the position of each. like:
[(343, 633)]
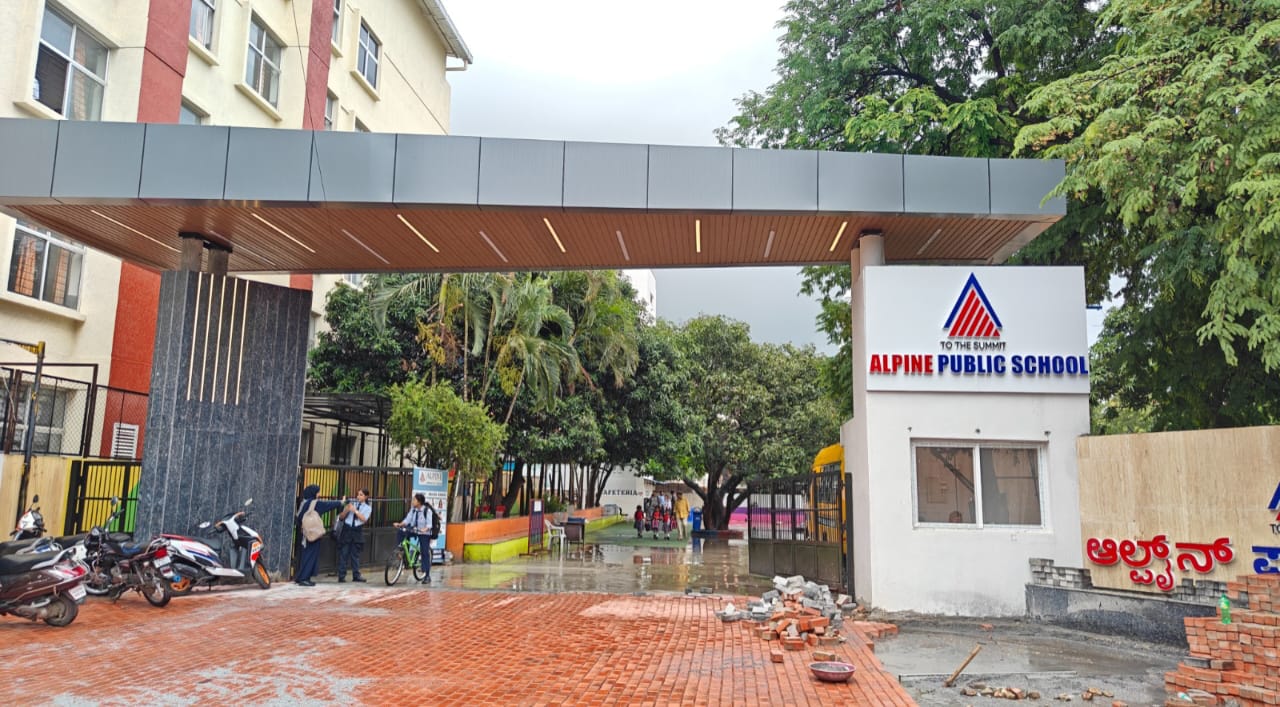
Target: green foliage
[(936, 77), (1150, 373), (1177, 134), (755, 410), (437, 428), (364, 351), (553, 505)]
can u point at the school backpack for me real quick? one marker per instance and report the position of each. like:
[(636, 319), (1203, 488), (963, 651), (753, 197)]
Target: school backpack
[(435, 522), (312, 526)]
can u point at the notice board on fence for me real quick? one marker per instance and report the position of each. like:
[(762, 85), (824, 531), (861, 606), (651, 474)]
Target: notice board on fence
[(1161, 508), (434, 485)]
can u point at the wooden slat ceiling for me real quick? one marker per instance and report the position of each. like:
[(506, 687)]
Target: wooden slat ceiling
[(363, 239)]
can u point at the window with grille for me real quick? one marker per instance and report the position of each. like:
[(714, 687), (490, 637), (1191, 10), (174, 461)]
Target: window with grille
[(368, 56), (262, 66), (71, 69), (202, 12), (46, 266)]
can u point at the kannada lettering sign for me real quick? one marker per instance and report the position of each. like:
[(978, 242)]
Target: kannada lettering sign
[(1145, 557), (978, 330)]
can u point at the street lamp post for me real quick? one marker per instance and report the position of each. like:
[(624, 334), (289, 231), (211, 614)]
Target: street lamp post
[(28, 434)]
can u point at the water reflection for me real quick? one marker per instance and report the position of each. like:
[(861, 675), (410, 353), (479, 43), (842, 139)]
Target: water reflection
[(714, 565)]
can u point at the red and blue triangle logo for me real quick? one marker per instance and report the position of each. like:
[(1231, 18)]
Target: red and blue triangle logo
[(972, 317)]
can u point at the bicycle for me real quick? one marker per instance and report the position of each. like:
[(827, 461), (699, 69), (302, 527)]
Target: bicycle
[(408, 552)]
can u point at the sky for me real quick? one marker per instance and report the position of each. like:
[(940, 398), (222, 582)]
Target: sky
[(658, 72)]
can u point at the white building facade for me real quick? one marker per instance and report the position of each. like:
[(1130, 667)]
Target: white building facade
[(970, 389)]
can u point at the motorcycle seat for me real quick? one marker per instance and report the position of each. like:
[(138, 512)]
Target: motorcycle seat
[(69, 540), (213, 541), (132, 550), (18, 564), (11, 546)]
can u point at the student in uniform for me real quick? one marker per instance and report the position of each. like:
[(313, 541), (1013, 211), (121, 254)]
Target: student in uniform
[(309, 558), (417, 523), (351, 537)]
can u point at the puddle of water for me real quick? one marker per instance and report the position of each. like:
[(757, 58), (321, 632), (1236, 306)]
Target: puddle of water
[(615, 561)]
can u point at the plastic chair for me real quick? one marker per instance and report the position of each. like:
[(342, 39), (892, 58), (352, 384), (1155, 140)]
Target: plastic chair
[(554, 532)]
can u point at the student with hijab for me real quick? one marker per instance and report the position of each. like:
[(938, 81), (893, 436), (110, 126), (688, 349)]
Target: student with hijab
[(310, 556)]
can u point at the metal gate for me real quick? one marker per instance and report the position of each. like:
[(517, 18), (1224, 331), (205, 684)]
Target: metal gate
[(93, 483), (798, 525)]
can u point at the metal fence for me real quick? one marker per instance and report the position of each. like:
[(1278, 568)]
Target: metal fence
[(799, 526), (72, 417), (389, 491), (93, 483)]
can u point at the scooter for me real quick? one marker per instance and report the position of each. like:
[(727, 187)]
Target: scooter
[(31, 524), (201, 562), (115, 567), (44, 586)]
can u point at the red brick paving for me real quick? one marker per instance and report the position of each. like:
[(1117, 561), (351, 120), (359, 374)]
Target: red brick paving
[(412, 646)]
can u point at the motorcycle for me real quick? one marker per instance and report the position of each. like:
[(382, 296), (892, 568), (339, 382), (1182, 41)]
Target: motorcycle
[(201, 562), (116, 566), (31, 524), (47, 586)]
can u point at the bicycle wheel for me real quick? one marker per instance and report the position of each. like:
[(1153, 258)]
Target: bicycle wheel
[(416, 563), (394, 568)]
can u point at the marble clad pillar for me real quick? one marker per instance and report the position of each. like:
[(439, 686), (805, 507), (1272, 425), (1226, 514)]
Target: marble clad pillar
[(225, 412)]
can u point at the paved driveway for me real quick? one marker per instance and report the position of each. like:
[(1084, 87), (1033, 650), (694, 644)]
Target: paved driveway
[(400, 646)]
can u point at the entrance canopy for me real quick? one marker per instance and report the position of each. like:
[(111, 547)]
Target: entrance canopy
[(303, 201)]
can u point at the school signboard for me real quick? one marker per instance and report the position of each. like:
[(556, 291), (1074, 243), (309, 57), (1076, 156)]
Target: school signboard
[(434, 485), (977, 330)]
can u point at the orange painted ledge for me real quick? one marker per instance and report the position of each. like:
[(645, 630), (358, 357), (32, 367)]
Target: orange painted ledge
[(457, 535)]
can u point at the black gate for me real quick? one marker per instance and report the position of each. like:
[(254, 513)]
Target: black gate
[(797, 525), (93, 483)]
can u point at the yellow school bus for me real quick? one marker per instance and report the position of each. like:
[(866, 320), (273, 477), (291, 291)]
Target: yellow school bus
[(826, 495)]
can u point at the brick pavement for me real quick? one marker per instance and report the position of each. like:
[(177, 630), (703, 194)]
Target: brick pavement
[(399, 646)]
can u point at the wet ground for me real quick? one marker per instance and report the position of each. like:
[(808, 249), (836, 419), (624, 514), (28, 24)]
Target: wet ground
[(615, 561), (1021, 654)]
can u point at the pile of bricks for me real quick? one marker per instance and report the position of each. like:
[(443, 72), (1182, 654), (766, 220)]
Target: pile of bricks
[(800, 614), (1236, 663)]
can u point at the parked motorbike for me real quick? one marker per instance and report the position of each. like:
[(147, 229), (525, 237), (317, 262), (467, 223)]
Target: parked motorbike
[(115, 566), (47, 586), (229, 552), (31, 524)]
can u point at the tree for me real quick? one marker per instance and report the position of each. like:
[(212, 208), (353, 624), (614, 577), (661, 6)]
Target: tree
[(364, 351), (1178, 131), (932, 77), (757, 410), (437, 428)]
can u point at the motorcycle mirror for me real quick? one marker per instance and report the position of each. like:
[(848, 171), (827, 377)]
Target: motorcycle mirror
[(35, 499), (115, 501), (246, 503), (204, 525)]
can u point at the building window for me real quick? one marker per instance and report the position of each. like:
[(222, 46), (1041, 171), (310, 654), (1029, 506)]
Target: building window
[(202, 21), (190, 115), (355, 279), (368, 55), (45, 266), (978, 485), (336, 32), (71, 70), (330, 108), (361, 127), (262, 68)]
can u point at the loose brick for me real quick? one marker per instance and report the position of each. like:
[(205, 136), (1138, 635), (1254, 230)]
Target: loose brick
[(776, 656)]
